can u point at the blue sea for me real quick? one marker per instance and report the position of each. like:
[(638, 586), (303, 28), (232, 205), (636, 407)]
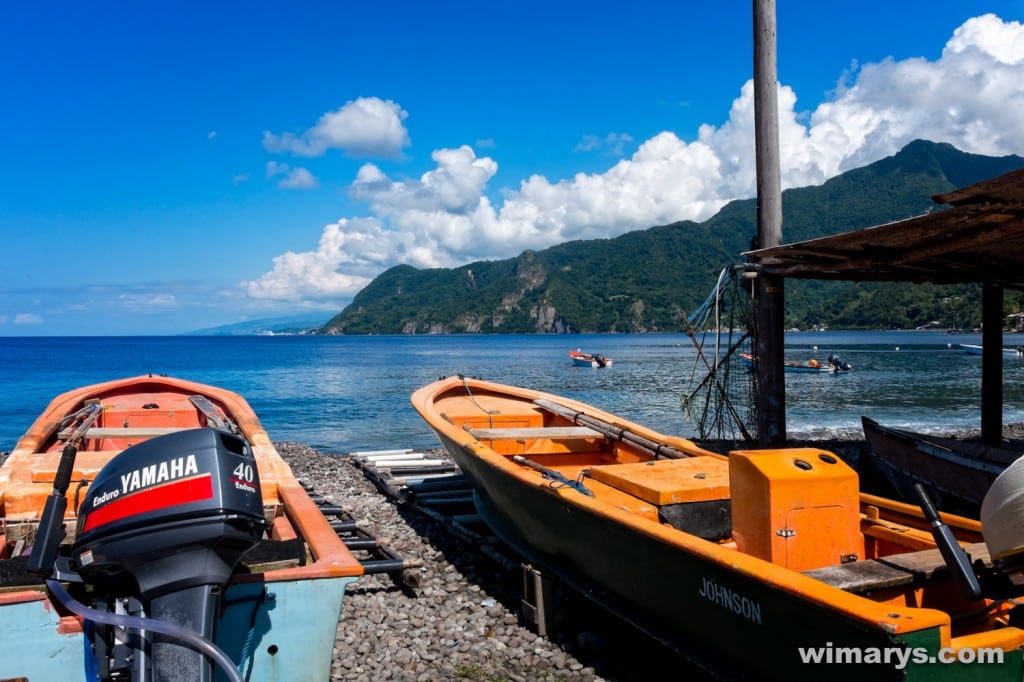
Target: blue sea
[(345, 394)]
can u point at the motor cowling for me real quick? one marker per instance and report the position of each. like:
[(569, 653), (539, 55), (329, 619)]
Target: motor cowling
[(173, 511), (160, 532)]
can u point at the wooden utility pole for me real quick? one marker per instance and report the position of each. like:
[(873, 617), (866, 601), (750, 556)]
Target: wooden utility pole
[(771, 397)]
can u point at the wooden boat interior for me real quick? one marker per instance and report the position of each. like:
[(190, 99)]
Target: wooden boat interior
[(133, 413), (873, 547)]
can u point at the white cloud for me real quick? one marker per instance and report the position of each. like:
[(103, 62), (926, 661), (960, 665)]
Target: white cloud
[(365, 127), (349, 255), (971, 97), (612, 144), (28, 318), (294, 178), (148, 302)]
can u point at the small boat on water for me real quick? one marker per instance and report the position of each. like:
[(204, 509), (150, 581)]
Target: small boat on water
[(972, 349), (752, 565), (833, 365), (149, 530), (958, 473), (581, 359)]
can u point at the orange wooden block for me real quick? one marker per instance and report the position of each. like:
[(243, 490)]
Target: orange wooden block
[(669, 481)]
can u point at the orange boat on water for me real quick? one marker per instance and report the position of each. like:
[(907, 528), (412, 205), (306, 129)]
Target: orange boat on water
[(581, 359), (761, 565), (149, 530)]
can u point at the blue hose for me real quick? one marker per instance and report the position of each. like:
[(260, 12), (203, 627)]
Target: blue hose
[(177, 632)]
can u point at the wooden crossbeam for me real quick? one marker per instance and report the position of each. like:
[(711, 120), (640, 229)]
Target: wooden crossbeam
[(551, 432)]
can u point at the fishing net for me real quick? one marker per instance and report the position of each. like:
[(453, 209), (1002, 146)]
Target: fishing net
[(721, 400)]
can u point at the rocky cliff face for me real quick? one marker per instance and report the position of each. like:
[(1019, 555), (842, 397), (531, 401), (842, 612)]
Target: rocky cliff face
[(548, 320)]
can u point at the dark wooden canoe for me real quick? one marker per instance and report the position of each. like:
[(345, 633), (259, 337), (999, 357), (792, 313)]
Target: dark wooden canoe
[(958, 473)]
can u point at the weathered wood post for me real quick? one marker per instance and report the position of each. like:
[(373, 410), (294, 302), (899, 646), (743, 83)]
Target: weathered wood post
[(771, 397)]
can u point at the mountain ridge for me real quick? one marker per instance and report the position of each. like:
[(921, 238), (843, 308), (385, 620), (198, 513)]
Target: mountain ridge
[(647, 280)]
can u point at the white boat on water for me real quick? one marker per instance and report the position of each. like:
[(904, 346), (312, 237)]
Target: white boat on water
[(581, 359), (976, 350)]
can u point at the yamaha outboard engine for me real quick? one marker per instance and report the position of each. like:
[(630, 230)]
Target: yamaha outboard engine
[(162, 529)]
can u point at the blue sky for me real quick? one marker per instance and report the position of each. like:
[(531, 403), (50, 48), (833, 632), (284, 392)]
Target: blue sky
[(175, 166)]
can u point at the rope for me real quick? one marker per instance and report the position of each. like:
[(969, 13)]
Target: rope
[(490, 413), (558, 480)]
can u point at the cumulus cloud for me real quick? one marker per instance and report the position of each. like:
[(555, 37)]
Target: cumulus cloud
[(351, 252), (291, 178), (28, 318), (363, 128), (970, 97)]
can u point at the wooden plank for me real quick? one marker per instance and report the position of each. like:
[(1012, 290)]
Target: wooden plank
[(862, 576), (924, 563), (209, 410), (891, 571), (129, 432), (550, 432)]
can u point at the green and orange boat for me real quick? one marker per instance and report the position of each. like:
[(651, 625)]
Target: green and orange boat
[(151, 531), (759, 564)]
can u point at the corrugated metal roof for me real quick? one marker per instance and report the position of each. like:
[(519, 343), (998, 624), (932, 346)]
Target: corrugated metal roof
[(979, 239)]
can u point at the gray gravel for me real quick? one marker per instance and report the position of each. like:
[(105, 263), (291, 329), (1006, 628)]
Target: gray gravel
[(461, 622)]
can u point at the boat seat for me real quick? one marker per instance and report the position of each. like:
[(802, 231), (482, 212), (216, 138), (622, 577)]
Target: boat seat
[(691, 494), (531, 432), (894, 570), (127, 432)]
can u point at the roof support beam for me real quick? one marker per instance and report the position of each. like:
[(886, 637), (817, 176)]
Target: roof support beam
[(992, 364)]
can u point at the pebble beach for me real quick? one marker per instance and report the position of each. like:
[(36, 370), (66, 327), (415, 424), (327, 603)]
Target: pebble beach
[(461, 622)]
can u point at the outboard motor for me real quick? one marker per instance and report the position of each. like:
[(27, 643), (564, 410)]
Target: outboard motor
[(162, 529), (1002, 525), (838, 364)]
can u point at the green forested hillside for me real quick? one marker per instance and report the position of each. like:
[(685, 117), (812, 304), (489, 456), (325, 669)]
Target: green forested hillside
[(650, 280)]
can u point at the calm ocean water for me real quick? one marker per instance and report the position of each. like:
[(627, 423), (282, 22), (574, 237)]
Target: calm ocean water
[(351, 393)]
